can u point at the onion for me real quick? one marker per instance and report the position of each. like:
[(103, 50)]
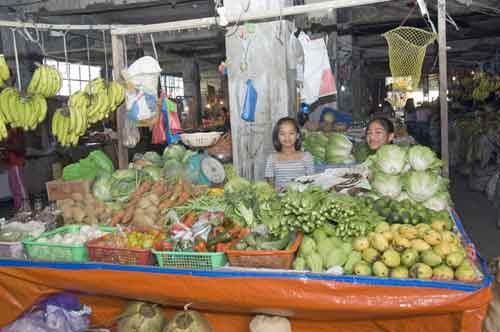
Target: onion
[(188, 321)]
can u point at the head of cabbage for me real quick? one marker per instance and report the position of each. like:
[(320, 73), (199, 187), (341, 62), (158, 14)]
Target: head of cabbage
[(390, 159), (102, 188), (438, 202), (339, 145), (387, 185), (422, 185), (174, 151), (422, 158)]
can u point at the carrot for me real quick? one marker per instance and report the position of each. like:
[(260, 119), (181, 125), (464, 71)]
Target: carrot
[(129, 213), (165, 204), (117, 218), (183, 198), (189, 219)]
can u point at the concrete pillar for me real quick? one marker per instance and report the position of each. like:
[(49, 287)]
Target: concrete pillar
[(257, 52), (191, 77)]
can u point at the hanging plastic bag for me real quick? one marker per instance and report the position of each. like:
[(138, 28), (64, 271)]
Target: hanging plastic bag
[(142, 88), (159, 134), (131, 134), (174, 123), (250, 103), (318, 77)]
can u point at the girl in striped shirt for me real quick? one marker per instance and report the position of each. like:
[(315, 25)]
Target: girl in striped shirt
[(289, 162)]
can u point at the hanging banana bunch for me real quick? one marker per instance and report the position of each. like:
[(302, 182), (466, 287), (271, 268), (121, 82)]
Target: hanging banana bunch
[(46, 80), (103, 99), (4, 71), (22, 111), (61, 127)]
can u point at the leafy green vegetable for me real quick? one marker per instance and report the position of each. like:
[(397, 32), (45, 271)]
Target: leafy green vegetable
[(314, 262), (174, 151), (153, 171), (299, 264), (129, 174), (153, 157), (237, 184), (100, 159), (387, 185), (422, 185), (307, 247), (362, 151), (438, 202), (422, 158), (102, 188), (337, 257), (338, 145), (390, 159)]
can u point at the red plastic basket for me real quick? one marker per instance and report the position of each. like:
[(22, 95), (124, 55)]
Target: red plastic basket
[(123, 256), (271, 259)]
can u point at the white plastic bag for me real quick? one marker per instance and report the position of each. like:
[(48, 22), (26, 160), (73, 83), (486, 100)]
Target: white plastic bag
[(318, 76), (142, 88)]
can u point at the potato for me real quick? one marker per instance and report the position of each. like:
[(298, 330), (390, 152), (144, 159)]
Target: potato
[(78, 214), (144, 203), (67, 212), (77, 197), (92, 220), (154, 199), (143, 221)]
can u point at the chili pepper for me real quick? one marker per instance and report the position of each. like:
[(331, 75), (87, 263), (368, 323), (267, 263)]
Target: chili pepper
[(223, 237), (176, 227)]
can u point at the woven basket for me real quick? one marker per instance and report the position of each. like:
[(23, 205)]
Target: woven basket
[(199, 140)]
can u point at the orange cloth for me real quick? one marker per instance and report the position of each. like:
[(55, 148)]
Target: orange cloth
[(231, 299)]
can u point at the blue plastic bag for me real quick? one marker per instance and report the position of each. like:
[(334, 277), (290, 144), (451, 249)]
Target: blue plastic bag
[(250, 103)]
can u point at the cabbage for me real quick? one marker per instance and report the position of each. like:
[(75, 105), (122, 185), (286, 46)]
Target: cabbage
[(390, 159), (237, 184), (174, 151), (263, 191), (422, 185), (422, 158), (102, 188), (387, 185), (153, 171), (339, 145), (438, 202), (153, 157), (349, 159)]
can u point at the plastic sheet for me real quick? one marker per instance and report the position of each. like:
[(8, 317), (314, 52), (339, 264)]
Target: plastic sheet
[(230, 298)]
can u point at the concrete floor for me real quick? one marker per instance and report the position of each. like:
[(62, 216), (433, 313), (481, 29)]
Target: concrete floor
[(478, 217)]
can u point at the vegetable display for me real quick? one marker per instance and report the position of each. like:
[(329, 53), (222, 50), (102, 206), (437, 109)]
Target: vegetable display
[(332, 149), (400, 174)]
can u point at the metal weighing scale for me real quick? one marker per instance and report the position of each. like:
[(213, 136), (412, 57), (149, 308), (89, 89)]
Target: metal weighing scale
[(203, 169)]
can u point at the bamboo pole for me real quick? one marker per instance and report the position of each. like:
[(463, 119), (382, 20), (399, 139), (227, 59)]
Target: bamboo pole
[(118, 65), (443, 86)]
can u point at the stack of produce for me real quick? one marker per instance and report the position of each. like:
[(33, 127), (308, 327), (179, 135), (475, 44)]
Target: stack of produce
[(149, 203), (79, 238), (203, 232), (311, 209), (333, 149), (22, 111), (131, 239), (96, 163), (404, 251), (322, 251), (409, 174), (46, 81), (85, 108), (404, 212), (81, 209), (104, 99), (267, 241)]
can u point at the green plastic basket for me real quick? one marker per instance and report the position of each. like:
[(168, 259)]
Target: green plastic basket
[(190, 260), (59, 252)]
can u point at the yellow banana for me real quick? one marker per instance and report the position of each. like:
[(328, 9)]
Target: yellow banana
[(42, 104), (34, 82), (4, 69)]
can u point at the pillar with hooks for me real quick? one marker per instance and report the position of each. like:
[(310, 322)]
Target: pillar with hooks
[(257, 52)]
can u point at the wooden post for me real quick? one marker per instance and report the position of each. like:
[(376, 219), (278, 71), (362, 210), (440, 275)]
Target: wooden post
[(118, 64), (443, 85)]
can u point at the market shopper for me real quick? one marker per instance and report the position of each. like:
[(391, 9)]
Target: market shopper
[(289, 162), (15, 159)]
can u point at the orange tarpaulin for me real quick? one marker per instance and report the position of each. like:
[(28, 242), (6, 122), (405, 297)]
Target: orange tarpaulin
[(314, 303)]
